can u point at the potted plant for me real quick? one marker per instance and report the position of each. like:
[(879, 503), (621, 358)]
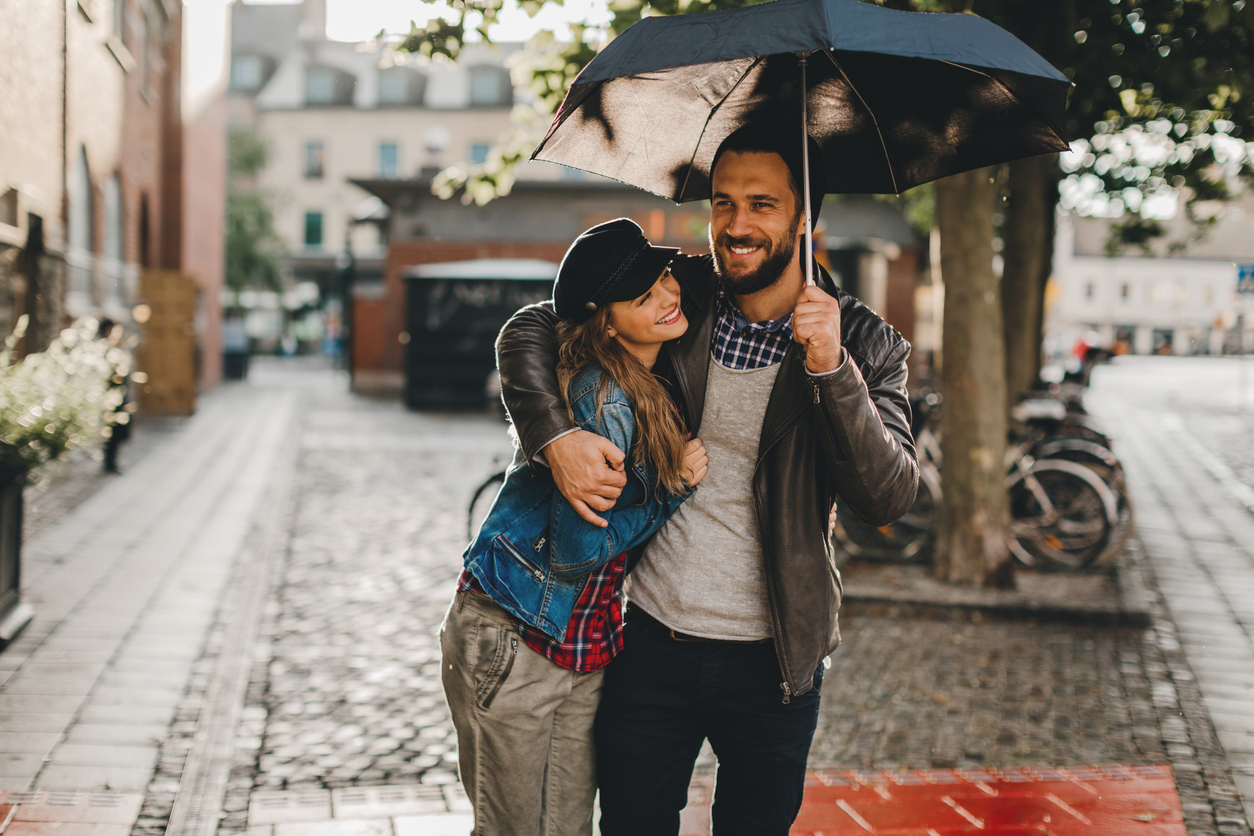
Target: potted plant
[(51, 402)]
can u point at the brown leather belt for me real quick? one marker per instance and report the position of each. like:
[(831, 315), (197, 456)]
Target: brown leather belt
[(635, 612)]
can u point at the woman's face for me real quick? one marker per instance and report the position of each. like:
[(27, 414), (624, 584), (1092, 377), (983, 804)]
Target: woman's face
[(651, 319)]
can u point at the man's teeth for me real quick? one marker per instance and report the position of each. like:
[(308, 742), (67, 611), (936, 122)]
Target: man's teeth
[(743, 250)]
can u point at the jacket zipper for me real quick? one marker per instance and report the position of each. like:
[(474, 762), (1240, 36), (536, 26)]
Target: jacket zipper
[(526, 564), (500, 680), (816, 390), (787, 692)]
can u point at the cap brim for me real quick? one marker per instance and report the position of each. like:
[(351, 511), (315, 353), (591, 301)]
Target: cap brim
[(644, 273)]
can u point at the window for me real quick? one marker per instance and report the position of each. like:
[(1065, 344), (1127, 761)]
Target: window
[(246, 72), (490, 87), (313, 160), (479, 153), (389, 160), (319, 86), (1088, 291), (112, 271), (313, 229), (400, 86), (1124, 291), (80, 236)]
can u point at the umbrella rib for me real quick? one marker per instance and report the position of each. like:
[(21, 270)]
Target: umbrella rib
[(887, 157), (1009, 92), (683, 188)]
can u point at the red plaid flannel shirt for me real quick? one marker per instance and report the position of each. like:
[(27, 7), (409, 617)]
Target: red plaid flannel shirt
[(595, 633)]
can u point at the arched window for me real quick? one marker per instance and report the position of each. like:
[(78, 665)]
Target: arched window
[(401, 86), (490, 87), (79, 256), (114, 231)]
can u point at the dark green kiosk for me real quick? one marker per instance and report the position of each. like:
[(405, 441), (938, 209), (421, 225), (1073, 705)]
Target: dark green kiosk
[(455, 311)]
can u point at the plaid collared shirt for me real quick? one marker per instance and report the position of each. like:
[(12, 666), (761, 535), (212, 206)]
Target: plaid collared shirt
[(594, 635), (740, 344)]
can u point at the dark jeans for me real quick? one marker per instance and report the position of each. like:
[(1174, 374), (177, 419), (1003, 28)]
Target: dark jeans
[(661, 698)]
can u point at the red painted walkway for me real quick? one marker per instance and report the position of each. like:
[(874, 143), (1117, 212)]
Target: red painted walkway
[(1107, 800)]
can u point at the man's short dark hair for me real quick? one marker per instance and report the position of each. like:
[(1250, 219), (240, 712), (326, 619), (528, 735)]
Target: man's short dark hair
[(768, 137)]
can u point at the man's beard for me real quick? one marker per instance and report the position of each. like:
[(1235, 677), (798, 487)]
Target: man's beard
[(779, 253)]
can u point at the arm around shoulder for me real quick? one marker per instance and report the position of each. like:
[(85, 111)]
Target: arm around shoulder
[(526, 355)]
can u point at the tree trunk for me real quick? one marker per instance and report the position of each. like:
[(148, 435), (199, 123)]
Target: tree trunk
[(1029, 255), (973, 544)]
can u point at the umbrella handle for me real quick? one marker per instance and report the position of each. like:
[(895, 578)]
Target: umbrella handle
[(802, 59)]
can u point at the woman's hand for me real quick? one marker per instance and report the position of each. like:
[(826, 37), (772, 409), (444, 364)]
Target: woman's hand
[(696, 463)]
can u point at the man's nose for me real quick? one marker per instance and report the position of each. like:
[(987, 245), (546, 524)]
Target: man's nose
[(739, 226)]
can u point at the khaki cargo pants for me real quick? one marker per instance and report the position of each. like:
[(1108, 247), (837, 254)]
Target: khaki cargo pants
[(524, 726)]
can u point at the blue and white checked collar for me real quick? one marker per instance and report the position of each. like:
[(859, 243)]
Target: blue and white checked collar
[(740, 344)]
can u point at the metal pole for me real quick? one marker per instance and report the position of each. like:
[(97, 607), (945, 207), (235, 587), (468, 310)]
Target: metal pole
[(805, 171)]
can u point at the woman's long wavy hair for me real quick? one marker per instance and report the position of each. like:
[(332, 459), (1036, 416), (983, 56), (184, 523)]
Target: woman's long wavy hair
[(660, 436)]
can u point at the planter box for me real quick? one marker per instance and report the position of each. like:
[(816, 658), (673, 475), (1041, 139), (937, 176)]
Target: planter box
[(14, 615)]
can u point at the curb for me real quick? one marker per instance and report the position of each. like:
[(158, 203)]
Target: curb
[(1131, 608)]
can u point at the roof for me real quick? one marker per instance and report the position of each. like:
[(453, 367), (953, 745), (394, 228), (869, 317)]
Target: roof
[(513, 269), (268, 30)]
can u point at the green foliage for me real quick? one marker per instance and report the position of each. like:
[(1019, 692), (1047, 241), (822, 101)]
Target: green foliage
[(1163, 102), (252, 246), (59, 399), (246, 152)]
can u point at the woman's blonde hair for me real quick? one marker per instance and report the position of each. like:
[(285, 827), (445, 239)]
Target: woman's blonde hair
[(660, 436)]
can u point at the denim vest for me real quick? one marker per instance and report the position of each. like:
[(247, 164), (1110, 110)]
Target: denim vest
[(533, 553)]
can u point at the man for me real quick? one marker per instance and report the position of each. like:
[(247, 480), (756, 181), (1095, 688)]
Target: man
[(799, 395)]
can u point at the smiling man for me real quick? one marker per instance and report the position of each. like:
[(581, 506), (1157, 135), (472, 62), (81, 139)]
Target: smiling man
[(799, 395)]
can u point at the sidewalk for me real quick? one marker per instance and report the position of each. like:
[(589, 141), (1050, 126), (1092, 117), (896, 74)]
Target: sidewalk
[(238, 636)]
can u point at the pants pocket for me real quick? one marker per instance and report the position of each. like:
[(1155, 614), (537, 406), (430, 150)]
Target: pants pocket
[(498, 660)]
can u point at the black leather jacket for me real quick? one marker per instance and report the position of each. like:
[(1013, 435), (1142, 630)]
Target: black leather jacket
[(846, 436)]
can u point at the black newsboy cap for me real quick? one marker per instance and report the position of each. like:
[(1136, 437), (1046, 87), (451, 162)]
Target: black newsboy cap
[(611, 262)]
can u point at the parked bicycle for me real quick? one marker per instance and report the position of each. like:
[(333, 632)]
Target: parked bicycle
[(1068, 502)]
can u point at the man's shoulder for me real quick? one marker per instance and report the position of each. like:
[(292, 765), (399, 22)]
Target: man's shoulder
[(696, 276)]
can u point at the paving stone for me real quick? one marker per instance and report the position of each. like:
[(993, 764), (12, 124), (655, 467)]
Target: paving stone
[(33, 743), (446, 824), (33, 828), (30, 721), (95, 754), (39, 704), (76, 777), (23, 684), (346, 827), (127, 714), (117, 733)]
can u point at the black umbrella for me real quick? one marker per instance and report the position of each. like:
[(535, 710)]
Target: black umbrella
[(894, 99)]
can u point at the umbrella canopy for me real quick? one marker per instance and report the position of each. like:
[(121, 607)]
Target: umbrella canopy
[(894, 99)]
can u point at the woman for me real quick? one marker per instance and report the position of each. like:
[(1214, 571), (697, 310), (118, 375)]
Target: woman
[(538, 611)]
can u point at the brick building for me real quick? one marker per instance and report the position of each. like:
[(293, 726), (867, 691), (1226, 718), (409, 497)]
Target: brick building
[(92, 181)]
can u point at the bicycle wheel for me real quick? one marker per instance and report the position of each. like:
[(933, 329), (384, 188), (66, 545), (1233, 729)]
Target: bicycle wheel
[(908, 538), (1062, 514), (481, 502)]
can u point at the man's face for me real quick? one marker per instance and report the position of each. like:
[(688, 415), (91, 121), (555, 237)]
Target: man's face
[(754, 221)]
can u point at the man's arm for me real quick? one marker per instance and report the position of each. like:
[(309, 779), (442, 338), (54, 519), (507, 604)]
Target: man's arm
[(868, 444), (587, 468)]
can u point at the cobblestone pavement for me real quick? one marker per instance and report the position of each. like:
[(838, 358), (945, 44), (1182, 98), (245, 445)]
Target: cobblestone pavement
[(345, 690), (1185, 429), (343, 695)]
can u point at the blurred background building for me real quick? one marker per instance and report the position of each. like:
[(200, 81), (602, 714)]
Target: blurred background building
[(1169, 300), (93, 186)]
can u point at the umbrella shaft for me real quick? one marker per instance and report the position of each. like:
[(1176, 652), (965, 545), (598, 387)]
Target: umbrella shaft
[(805, 171)]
